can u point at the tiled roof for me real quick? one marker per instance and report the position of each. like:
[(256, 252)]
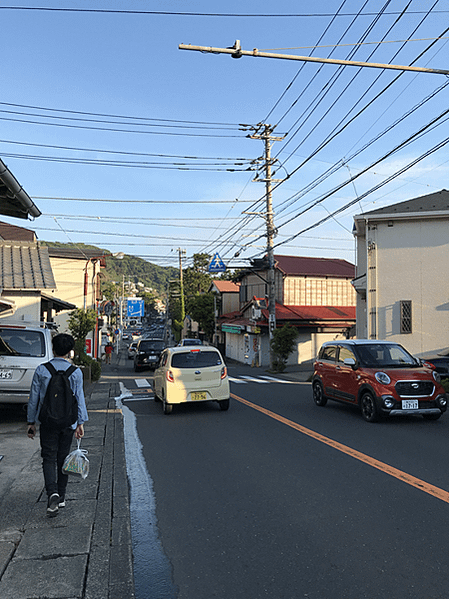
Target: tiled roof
[(14, 233), (306, 266), (25, 265), (226, 286)]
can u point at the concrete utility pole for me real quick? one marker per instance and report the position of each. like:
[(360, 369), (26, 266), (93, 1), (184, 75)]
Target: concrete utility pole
[(181, 284), (237, 52), (266, 135)]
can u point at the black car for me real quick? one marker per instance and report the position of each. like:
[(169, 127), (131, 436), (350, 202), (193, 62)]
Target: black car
[(440, 361), (148, 353)]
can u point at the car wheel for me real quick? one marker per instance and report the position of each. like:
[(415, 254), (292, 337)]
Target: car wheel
[(368, 407), (432, 416), (224, 404), (168, 407), (318, 394)]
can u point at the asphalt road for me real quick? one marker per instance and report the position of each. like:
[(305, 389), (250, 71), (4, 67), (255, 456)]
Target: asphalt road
[(279, 498)]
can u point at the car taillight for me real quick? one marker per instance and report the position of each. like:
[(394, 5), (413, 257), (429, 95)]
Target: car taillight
[(224, 372), (169, 376)]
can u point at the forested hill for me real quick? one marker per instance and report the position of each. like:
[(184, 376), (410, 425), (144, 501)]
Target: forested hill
[(135, 269)]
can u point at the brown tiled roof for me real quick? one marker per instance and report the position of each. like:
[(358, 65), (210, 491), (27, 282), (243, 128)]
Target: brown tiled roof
[(14, 233), (226, 286), (25, 265), (314, 267)]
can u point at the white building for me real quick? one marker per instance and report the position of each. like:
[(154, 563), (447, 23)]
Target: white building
[(402, 290)]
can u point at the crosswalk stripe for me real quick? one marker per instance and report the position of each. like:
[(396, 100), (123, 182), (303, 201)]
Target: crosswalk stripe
[(244, 379), (142, 383), (252, 379)]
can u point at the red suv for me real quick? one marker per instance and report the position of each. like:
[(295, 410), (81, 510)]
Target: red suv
[(380, 377)]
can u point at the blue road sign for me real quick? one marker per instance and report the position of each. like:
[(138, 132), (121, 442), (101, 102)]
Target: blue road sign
[(216, 264), (135, 308)]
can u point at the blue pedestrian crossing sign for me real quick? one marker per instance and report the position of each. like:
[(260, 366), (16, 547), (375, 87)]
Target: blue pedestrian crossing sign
[(216, 264)]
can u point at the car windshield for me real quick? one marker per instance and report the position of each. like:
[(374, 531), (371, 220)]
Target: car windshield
[(147, 345), (376, 355), (192, 342), (16, 342), (195, 359)]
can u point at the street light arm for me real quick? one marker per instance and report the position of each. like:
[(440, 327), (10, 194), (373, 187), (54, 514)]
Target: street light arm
[(238, 52)]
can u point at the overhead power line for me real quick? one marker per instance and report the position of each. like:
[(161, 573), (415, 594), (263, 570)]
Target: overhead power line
[(204, 14)]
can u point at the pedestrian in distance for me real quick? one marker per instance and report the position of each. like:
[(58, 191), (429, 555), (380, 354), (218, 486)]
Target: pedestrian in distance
[(57, 403), (109, 348)]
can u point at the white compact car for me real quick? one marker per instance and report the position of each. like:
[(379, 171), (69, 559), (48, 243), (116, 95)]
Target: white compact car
[(191, 374), (23, 347)]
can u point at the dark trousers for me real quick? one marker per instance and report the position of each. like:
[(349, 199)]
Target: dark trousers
[(55, 447)]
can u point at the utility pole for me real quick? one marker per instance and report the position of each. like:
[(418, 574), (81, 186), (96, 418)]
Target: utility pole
[(267, 136), (181, 284)]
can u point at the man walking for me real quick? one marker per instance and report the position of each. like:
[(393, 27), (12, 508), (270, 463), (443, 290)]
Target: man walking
[(56, 441)]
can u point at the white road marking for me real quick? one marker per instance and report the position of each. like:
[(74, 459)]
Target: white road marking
[(252, 379), (142, 383)]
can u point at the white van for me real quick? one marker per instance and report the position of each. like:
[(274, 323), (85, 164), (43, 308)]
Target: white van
[(23, 346)]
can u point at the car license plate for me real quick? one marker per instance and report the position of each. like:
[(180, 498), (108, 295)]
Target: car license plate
[(199, 396), (5, 374), (152, 358), (409, 404)]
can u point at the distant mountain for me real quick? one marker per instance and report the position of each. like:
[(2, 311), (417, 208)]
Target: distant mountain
[(135, 269)]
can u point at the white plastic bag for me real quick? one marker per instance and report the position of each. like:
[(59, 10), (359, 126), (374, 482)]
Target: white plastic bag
[(76, 463)]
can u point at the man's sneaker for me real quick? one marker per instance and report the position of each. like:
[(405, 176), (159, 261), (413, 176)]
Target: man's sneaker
[(53, 505), (61, 501)]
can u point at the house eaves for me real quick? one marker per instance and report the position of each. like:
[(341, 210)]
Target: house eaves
[(14, 200), (434, 205), (25, 266)]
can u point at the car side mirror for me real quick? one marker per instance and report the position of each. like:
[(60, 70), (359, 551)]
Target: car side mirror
[(350, 362)]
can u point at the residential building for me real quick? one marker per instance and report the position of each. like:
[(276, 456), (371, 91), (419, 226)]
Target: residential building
[(313, 294), (402, 293)]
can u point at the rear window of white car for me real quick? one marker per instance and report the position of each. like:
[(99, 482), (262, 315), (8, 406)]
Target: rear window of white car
[(21, 343), (196, 359)]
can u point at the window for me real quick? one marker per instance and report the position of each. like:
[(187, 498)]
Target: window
[(406, 317), (196, 359), (21, 343), (345, 353), (328, 352)]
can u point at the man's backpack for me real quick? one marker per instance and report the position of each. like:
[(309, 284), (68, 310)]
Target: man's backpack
[(59, 408)]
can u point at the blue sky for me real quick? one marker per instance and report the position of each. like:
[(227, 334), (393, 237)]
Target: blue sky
[(82, 89)]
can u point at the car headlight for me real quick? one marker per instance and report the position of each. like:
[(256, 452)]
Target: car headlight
[(436, 376), (382, 378)]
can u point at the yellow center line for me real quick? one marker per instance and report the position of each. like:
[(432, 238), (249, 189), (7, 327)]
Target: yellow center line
[(403, 476)]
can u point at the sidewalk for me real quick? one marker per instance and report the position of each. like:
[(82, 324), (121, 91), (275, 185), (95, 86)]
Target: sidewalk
[(85, 552)]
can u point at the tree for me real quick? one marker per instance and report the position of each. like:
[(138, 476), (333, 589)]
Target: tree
[(197, 278), (81, 322), (201, 309), (282, 345)]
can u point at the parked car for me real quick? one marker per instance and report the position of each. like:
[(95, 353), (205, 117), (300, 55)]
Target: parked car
[(23, 347), (132, 350), (147, 354), (380, 377), (193, 374), (440, 361), (188, 342)]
